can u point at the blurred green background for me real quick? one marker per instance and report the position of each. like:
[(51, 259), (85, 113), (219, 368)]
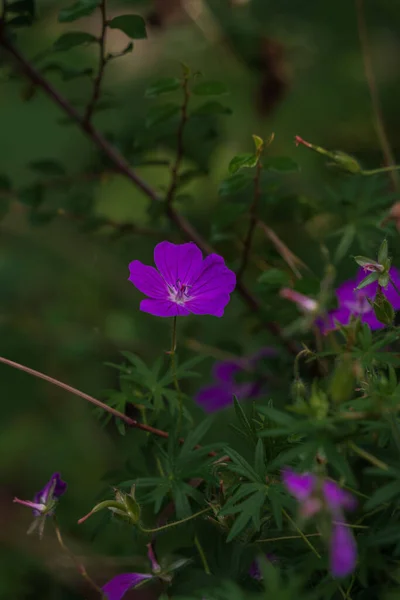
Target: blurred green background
[(67, 308)]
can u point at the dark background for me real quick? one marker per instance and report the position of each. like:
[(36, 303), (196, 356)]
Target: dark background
[(291, 67)]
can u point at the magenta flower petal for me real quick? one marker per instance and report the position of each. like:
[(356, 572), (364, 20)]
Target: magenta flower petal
[(226, 370), (299, 485), (147, 280), (370, 319), (181, 262), (215, 397), (117, 587), (343, 551), (214, 279), (163, 308), (337, 498), (214, 306)]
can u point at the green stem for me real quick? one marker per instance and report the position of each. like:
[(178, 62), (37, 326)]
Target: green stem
[(380, 170), (81, 569), (369, 457), (202, 555), (175, 379), (289, 537), (301, 534), (175, 523)]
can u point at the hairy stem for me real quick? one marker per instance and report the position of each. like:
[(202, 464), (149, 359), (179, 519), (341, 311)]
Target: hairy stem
[(102, 63), (175, 379), (202, 555), (368, 457), (175, 523), (81, 569), (373, 91), (253, 223), (301, 534)]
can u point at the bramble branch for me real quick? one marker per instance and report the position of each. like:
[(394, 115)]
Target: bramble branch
[(102, 62)]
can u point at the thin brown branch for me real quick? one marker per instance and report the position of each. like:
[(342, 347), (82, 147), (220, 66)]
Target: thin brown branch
[(122, 166), (373, 91), (290, 259), (253, 222), (179, 148), (102, 63)]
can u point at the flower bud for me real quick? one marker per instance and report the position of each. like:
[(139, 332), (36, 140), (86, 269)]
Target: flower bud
[(319, 402), (346, 162), (298, 389), (383, 310), (343, 380)]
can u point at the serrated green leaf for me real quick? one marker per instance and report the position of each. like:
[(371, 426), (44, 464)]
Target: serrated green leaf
[(163, 86), (160, 114), (81, 8), (73, 38), (235, 184), (211, 108), (209, 88), (282, 164), (245, 467), (195, 437), (134, 26), (242, 161)]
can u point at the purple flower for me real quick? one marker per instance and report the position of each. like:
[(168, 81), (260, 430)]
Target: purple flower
[(220, 394), (183, 282), (315, 496), (45, 500), (117, 587), (354, 302)]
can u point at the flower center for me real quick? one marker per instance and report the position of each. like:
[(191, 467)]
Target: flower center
[(179, 292), (359, 305)]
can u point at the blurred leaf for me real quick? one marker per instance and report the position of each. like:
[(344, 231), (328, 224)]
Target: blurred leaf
[(160, 114), (47, 167), (20, 21), (211, 108), (281, 164), (42, 217), (240, 161), (274, 278), (73, 38), (210, 88), (163, 86), (81, 8), (234, 184), (22, 6), (67, 73), (32, 196), (133, 26)]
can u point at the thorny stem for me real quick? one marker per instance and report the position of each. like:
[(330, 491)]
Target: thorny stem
[(81, 569), (369, 457), (123, 167), (253, 222), (202, 555), (175, 523), (301, 534), (373, 90), (102, 63), (179, 148)]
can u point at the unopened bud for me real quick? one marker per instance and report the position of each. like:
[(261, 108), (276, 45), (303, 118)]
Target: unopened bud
[(298, 389), (343, 380), (383, 310), (319, 402), (346, 162)]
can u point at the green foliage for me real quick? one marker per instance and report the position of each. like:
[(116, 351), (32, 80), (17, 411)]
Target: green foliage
[(77, 10), (133, 26)]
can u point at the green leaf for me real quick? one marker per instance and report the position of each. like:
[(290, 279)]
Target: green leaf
[(348, 236), (163, 86), (259, 458), (234, 184), (274, 278), (82, 8), (248, 430), (67, 73), (282, 164), (383, 253), (370, 279), (160, 114), (134, 26), (209, 88), (277, 416), (73, 38), (47, 167), (211, 108), (241, 161)]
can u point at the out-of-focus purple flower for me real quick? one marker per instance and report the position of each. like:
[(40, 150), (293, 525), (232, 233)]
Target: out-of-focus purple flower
[(45, 500), (255, 571), (305, 303), (183, 282), (117, 587), (354, 302), (315, 496), (220, 394)]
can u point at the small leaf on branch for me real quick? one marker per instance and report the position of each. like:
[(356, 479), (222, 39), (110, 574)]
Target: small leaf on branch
[(133, 26), (210, 88), (162, 86), (160, 114), (82, 8), (211, 108), (234, 184), (73, 38), (241, 161)]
